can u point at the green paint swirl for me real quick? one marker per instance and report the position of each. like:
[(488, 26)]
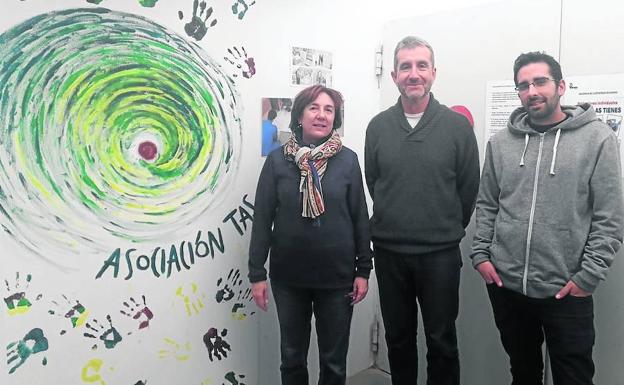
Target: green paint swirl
[(111, 127)]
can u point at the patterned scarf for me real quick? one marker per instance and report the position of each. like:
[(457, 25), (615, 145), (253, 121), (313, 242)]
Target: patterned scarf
[(312, 163)]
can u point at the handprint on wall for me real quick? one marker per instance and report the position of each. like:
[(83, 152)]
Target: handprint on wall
[(148, 3), (230, 289), (198, 26), (90, 373), (17, 301), (73, 310), (234, 379), (216, 345), (137, 311), (239, 307), (109, 335), (226, 288), (178, 351), (240, 8), (193, 299), (240, 62), (18, 352)]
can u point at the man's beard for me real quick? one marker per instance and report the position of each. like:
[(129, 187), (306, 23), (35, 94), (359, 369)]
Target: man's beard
[(548, 108)]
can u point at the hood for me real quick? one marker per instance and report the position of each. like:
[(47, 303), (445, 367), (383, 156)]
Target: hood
[(578, 116)]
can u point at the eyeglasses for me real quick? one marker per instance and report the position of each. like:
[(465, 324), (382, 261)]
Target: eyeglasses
[(537, 83)]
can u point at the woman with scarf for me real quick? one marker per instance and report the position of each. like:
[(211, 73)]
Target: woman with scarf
[(310, 213)]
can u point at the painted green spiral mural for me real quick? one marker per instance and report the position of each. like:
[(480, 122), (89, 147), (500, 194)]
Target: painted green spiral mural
[(111, 127)]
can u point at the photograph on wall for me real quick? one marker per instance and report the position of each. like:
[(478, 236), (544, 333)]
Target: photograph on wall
[(275, 123), (310, 66)]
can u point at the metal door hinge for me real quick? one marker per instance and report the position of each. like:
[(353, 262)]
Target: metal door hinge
[(375, 336)]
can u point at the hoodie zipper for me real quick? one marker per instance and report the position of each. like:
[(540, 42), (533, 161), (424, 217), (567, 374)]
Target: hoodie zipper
[(525, 276)]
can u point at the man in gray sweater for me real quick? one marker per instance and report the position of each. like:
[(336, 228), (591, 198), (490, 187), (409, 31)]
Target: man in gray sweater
[(550, 218), (422, 171)]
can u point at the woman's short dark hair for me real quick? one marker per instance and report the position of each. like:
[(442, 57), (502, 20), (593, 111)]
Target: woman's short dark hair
[(307, 96)]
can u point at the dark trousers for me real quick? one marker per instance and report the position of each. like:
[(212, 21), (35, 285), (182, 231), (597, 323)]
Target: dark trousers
[(567, 325), (332, 310), (430, 280)]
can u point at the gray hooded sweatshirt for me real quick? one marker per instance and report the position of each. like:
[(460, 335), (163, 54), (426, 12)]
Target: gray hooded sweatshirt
[(550, 206)]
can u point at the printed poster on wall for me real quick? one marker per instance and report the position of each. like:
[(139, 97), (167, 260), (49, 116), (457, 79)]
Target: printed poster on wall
[(501, 99), (604, 92)]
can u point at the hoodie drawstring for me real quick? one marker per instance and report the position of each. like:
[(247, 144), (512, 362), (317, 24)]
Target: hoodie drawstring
[(554, 158), (526, 144)]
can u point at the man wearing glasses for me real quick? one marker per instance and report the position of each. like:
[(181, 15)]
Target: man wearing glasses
[(550, 219)]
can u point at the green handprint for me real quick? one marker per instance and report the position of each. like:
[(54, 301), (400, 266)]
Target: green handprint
[(33, 342), (74, 311), (110, 336), (17, 302), (234, 379)]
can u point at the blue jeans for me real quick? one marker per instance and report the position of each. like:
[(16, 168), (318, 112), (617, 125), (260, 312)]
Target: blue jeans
[(332, 310), (430, 280), (566, 324)]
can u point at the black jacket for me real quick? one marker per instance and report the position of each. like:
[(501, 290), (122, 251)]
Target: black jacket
[(327, 256)]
